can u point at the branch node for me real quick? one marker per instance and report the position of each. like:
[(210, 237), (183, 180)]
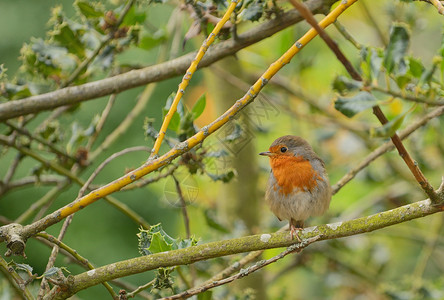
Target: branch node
[(13, 234)]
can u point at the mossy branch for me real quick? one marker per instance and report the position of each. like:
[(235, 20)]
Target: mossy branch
[(245, 244)]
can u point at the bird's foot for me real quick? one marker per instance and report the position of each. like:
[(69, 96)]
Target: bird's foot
[(294, 231)]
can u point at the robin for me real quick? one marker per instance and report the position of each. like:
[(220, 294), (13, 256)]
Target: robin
[(298, 187)]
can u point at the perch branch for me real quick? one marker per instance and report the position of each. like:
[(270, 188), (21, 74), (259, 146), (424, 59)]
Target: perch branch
[(243, 272), (248, 243)]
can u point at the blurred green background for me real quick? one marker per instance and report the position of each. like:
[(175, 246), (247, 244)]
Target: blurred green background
[(399, 262)]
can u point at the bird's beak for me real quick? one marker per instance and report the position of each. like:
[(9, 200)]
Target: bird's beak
[(266, 153)]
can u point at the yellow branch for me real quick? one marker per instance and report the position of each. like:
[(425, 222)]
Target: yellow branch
[(181, 148), (189, 73), (438, 6)]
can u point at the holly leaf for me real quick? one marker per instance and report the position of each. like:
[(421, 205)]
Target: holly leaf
[(155, 240), (159, 244), (396, 49), (353, 105), (253, 11), (89, 10), (344, 84)]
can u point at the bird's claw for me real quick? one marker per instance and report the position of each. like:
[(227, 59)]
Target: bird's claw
[(295, 232)]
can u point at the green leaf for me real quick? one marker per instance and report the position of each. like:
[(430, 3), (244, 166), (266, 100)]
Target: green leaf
[(199, 107), (13, 91), (427, 76), (89, 10), (403, 80), (212, 221), (175, 120), (134, 17), (192, 241), (186, 128), (353, 105), (150, 41), (253, 11), (163, 279), (343, 84), (159, 244), (415, 67), (224, 177), (390, 128), (396, 48), (155, 239), (69, 39), (371, 63), (208, 295)]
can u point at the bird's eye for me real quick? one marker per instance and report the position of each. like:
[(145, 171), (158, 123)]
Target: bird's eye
[(284, 149)]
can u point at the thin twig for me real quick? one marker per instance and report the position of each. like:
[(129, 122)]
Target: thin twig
[(140, 289), (74, 254), (89, 59), (375, 25), (244, 272), (386, 147), (15, 280), (126, 123), (12, 168), (44, 287), (99, 48), (147, 181), (413, 166), (106, 162), (342, 30), (102, 120), (183, 205), (40, 140), (416, 99), (308, 16), (189, 73)]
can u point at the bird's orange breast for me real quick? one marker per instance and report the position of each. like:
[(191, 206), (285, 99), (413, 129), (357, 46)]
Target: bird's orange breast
[(293, 172)]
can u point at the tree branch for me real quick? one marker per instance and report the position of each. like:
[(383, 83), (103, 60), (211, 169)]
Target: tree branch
[(180, 148), (412, 165), (159, 72), (386, 147), (244, 244), (189, 74)]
